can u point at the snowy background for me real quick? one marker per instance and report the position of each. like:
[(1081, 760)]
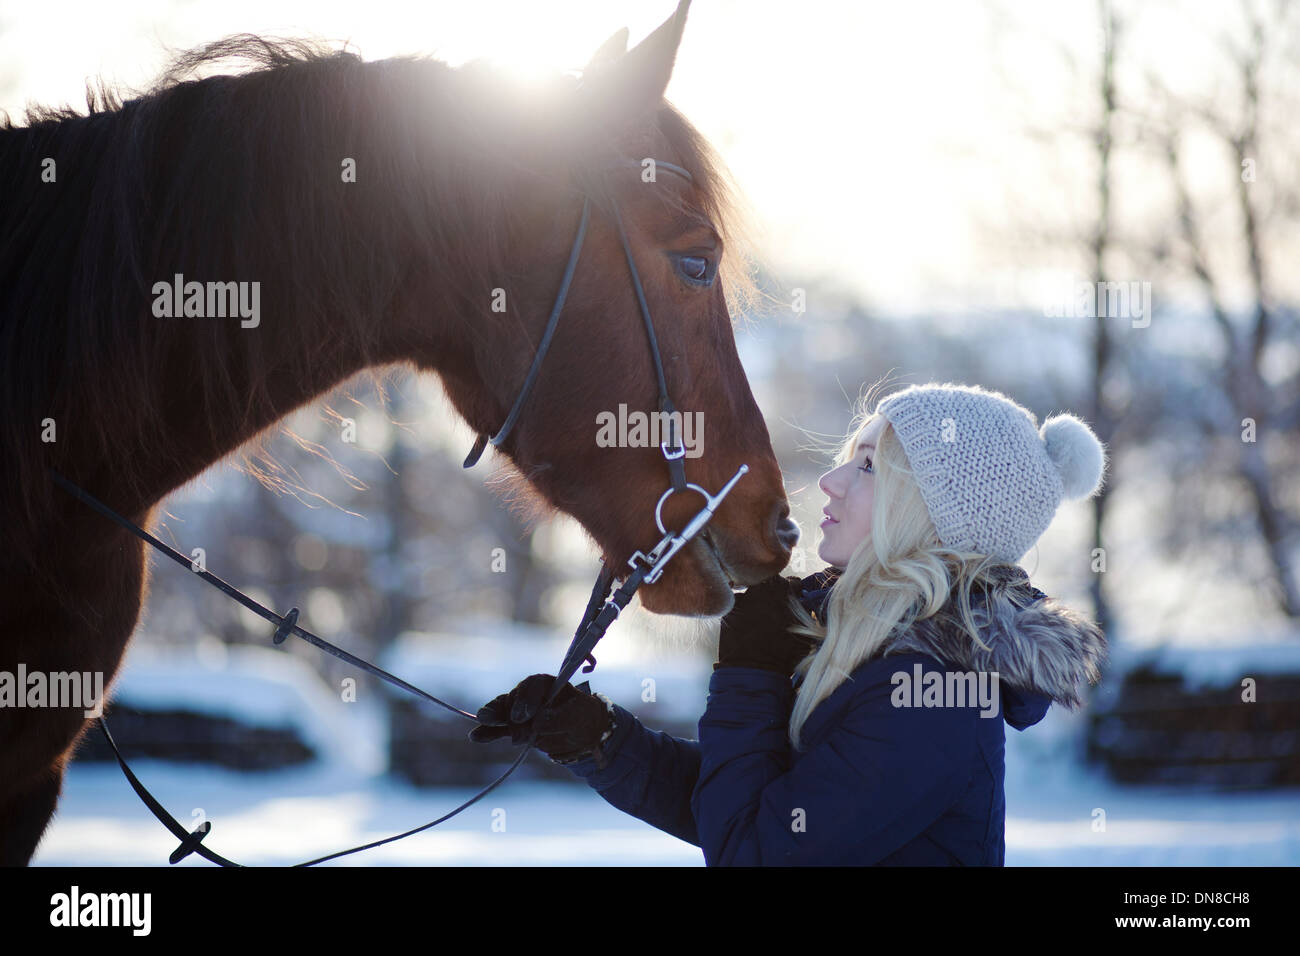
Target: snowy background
[(927, 176), (344, 799)]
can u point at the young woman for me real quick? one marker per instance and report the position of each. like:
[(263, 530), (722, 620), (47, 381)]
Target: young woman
[(855, 716)]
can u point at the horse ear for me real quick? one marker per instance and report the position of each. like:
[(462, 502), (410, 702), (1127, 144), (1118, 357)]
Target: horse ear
[(610, 51), (636, 82)]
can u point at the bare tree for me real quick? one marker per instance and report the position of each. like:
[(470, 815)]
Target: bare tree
[(1246, 401), (1260, 406), (1102, 418)]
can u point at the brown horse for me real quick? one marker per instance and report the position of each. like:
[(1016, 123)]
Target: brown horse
[(386, 211)]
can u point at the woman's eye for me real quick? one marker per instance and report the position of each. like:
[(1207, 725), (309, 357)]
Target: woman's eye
[(867, 467), (698, 269)]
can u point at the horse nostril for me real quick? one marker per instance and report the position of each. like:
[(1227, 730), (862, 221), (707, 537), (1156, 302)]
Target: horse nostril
[(787, 532)]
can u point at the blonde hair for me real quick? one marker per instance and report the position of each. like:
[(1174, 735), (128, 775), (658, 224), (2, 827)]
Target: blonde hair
[(899, 574)]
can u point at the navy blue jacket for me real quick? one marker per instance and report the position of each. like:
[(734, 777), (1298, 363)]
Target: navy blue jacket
[(875, 783)]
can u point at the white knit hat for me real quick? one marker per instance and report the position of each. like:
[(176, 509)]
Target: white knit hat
[(991, 478)]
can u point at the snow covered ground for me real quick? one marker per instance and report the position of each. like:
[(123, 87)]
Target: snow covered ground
[(1056, 806), (285, 817), (1061, 812)]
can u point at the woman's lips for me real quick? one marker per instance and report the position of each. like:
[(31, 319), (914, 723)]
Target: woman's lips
[(828, 521)]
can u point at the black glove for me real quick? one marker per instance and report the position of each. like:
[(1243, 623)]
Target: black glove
[(572, 727), (755, 632)]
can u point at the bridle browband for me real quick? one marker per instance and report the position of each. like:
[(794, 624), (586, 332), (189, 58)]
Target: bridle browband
[(602, 607)]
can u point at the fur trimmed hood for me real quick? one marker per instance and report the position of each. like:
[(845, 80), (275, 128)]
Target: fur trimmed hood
[(1042, 651)]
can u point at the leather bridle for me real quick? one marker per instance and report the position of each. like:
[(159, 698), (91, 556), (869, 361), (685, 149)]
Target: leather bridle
[(602, 607), (674, 457)]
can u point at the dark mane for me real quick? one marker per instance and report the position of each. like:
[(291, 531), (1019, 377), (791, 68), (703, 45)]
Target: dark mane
[(235, 176)]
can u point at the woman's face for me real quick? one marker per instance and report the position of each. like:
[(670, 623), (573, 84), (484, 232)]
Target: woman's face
[(850, 489)]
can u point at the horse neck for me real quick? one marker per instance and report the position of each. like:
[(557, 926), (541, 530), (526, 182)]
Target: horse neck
[(346, 281)]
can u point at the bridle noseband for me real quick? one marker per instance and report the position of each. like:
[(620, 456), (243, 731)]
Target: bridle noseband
[(603, 607)]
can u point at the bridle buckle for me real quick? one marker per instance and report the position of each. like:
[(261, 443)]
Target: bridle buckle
[(676, 453)]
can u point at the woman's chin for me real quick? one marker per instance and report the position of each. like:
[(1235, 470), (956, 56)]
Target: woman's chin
[(828, 556)]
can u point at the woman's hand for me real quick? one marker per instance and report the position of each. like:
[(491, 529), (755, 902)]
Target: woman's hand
[(572, 727), (755, 632)]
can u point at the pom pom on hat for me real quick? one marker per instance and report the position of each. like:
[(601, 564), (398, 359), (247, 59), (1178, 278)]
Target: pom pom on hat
[(1077, 454)]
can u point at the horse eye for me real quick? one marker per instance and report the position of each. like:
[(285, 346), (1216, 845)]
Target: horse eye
[(695, 268)]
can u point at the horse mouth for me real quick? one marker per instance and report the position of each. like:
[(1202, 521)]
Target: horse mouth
[(713, 551)]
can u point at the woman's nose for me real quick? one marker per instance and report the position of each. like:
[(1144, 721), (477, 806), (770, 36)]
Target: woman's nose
[(824, 485)]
